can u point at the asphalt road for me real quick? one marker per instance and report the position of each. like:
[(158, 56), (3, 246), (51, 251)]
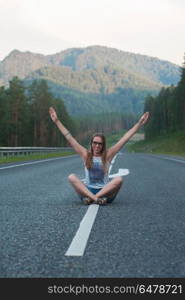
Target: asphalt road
[(141, 234)]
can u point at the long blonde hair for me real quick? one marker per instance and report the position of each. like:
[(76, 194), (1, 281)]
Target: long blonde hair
[(89, 159)]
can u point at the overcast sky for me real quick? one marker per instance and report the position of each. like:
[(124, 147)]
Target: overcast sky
[(151, 27)]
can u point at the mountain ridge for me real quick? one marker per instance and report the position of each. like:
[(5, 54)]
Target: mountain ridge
[(96, 70), (78, 59)]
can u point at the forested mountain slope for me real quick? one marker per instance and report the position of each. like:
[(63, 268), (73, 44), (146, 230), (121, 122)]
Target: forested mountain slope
[(95, 78)]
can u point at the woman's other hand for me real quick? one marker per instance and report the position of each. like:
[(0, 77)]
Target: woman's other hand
[(53, 114), (144, 118)]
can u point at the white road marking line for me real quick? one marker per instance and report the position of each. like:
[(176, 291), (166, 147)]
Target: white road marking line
[(121, 172), (112, 162), (34, 162), (79, 242), (181, 161)]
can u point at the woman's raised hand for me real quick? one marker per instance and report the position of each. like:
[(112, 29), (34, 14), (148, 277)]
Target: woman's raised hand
[(144, 118), (53, 114)]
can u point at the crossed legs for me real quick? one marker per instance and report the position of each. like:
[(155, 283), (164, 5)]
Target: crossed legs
[(80, 187), (109, 190)]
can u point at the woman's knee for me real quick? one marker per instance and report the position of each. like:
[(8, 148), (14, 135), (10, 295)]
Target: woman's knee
[(72, 177), (119, 180)]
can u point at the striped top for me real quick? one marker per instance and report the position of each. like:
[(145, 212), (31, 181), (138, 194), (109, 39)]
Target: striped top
[(95, 177)]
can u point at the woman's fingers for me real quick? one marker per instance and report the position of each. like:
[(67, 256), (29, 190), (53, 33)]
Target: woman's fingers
[(144, 118), (51, 110)]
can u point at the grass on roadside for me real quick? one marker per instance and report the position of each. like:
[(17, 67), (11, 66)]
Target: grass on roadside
[(173, 144), (17, 158)]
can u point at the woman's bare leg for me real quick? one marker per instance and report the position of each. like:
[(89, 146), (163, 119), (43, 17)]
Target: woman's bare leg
[(81, 188), (111, 188)]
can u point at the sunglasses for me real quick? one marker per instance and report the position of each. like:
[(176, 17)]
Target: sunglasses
[(97, 143)]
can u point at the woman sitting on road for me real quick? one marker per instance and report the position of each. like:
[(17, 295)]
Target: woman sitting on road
[(97, 188)]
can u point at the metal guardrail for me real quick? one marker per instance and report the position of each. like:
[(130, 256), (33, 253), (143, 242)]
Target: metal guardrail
[(16, 151)]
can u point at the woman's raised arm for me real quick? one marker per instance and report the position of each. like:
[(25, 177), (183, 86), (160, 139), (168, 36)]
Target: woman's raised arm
[(126, 137), (72, 141)]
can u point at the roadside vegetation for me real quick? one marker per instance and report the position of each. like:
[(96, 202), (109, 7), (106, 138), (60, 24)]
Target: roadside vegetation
[(19, 158), (165, 131), (171, 144)]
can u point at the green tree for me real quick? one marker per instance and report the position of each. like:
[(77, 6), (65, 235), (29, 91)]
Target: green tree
[(15, 116), (40, 99), (56, 138), (180, 98), (43, 131), (3, 117)]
